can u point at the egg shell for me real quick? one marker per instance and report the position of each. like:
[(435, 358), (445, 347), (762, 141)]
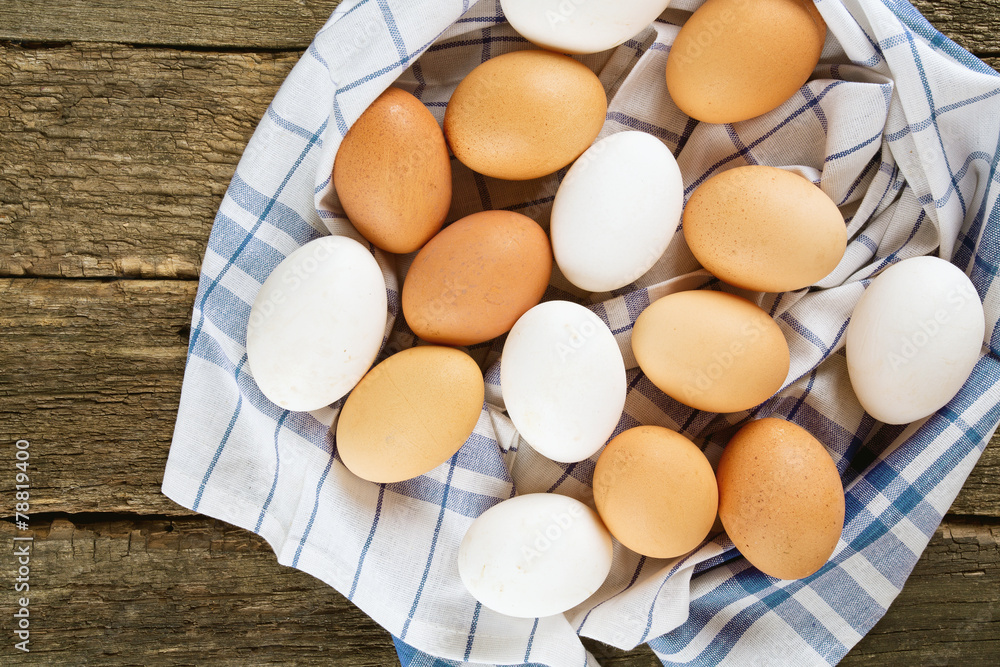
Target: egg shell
[(616, 210), (711, 350), (535, 555), (392, 173), (913, 340), (473, 280), (410, 414), (737, 59), (764, 229), (524, 114), (781, 500), (581, 27), (317, 324), (563, 380), (656, 491)]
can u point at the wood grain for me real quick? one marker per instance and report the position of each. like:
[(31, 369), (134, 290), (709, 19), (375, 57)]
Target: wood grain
[(973, 24), (179, 592), (115, 159), (949, 610), (247, 25), (208, 593), (291, 24), (90, 374)]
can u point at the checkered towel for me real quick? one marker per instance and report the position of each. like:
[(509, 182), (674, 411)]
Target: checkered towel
[(898, 125)]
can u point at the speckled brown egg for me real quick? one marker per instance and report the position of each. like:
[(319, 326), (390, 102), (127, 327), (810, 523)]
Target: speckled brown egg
[(781, 500), (524, 114), (473, 280), (737, 59), (392, 173), (711, 350), (764, 229), (655, 491), (410, 413)]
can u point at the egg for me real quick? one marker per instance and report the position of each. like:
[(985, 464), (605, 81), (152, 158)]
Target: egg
[(764, 229), (616, 210), (737, 59), (712, 351), (581, 26), (781, 500), (317, 324), (524, 114), (914, 338), (392, 173), (656, 491), (473, 280), (562, 377), (535, 555), (410, 414)]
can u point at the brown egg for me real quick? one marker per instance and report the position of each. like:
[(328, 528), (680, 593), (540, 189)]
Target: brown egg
[(764, 229), (392, 173), (655, 491), (737, 59), (711, 350), (781, 500), (410, 414), (524, 114), (472, 281)]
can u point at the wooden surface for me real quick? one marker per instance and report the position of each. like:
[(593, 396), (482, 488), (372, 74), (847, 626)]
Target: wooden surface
[(120, 127)]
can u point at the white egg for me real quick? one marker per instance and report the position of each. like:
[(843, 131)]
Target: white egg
[(563, 380), (616, 210), (535, 555), (914, 338), (317, 324), (581, 26)]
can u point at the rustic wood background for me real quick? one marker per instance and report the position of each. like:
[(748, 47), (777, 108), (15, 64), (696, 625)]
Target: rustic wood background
[(120, 126)]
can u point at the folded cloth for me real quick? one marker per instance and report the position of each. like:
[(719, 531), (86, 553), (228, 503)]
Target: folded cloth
[(898, 125)]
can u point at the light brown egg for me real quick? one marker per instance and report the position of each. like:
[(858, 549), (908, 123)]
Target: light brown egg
[(524, 114), (711, 350), (392, 173), (410, 414), (472, 281), (655, 491), (781, 500), (737, 59), (764, 229)]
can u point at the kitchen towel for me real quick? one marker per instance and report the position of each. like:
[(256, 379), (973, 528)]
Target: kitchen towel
[(898, 125)]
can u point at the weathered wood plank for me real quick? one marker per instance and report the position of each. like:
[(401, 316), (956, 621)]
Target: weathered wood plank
[(90, 373), (278, 24), (949, 610), (209, 593), (115, 159), (973, 24), (186, 592), (257, 24)]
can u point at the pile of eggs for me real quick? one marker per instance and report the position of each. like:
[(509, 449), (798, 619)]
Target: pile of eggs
[(316, 326)]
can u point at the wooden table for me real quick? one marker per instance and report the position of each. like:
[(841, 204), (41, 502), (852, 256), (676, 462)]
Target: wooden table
[(120, 127)]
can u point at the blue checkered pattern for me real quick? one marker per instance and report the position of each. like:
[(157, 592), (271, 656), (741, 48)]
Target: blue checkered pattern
[(899, 126)]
